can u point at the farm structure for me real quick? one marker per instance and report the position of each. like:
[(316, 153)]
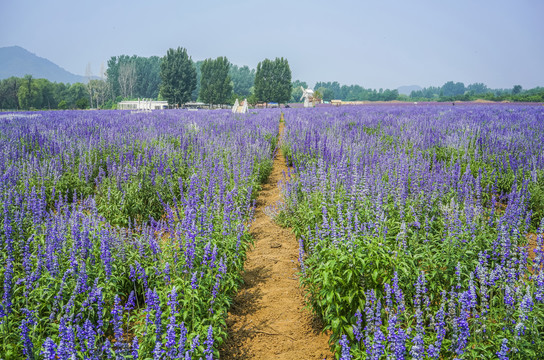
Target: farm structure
[(143, 104)]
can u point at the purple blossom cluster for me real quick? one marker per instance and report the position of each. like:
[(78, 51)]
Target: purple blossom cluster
[(431, 209), (123, 234)]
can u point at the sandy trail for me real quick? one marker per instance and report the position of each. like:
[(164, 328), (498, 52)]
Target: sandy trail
[(268, 319)]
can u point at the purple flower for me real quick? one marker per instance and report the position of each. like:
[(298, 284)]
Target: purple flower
[(378, 346), (135, 348), (27, 342), (194, 284), (67, 343), (418, 347), (106, 348), (130, 304), (49, 350), (117, 321), (8, 275), (182, 338), (209, 344), (195, 343), (88, 336), (502, 354), (157, 351), (346, 350), (357, 332)]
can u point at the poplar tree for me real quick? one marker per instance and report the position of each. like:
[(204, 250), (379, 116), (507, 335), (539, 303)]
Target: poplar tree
[(178, 76), (215, 83), (273, 81)]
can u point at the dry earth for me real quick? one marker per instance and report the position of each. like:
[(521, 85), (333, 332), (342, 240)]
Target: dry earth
[(268, 318)]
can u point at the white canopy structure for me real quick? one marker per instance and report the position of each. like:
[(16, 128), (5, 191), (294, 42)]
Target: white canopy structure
[(308, 96), (143, 104)]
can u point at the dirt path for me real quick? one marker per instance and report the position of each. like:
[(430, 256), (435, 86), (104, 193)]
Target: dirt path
[(267, 319)]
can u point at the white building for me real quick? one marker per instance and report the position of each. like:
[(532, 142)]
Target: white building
[(143, 104)]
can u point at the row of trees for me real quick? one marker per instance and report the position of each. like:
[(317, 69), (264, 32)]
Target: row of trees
[(29, 93), (452, 91), (333, 90), (175, 77), (134, 76), (131, 77), (212, 79), (178, 79)]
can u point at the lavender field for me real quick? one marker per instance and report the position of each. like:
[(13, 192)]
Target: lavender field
[(421, 228), (123, 234)]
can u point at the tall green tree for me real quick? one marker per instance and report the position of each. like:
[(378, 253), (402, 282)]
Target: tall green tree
[(29, 94), (327, 93), (148, 77), (333, 86), (47, 91), (264, 87), (196, 91), (134, 76), (243, 79), (451, 89), (215, 84), (77, 96), (273, 81), (9, 88), (477, 88), (178, 75)]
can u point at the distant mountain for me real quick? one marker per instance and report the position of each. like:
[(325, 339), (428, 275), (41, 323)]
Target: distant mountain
[(406, 90), (16, 61)]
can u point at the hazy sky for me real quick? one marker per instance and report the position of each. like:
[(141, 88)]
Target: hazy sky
[(376, 44)]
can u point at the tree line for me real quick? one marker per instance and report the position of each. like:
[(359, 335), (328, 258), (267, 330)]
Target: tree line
[(450, 91), (130, 78), (217, 81), (454, 91), (29, 93), (178, 79), (334, 91)]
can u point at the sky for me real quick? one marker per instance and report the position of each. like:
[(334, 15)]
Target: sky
[(375, 44)]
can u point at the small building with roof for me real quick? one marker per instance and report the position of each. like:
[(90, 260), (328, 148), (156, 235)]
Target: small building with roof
[(143, 104)]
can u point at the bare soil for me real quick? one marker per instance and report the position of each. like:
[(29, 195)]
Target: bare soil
[(532, 245), (268, 318)]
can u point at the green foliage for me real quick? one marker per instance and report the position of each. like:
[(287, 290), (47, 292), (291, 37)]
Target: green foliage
[(452, 89), (243, 79), (147, 77), (445, 237), (178, 75), (82, 103), (215, 83), (62, 105), (105, 214), (9, 90), (335, 91), (273, 81), (28, 94)]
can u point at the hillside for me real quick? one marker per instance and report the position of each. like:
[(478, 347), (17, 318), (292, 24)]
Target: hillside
[(16, 61)]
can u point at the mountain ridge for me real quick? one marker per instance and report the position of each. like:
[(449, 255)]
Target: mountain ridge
[(17, 61)]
